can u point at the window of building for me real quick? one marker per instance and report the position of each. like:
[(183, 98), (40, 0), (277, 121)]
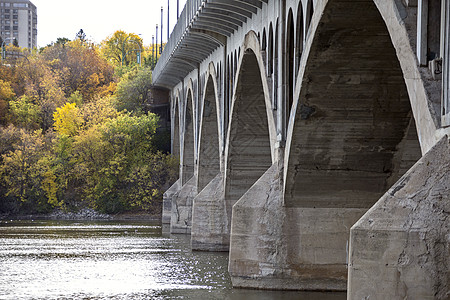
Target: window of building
[(15, 17), (15, 11), (6, 11), (15, 27), (20, 4), (7, 27), (16, 22), (6, 17)]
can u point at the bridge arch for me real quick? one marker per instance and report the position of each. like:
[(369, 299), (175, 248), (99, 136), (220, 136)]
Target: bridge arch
[(352, 113), (189, 135), (251, 135), (270, 52), (299, 38), (308, 15), (210, 137), (176, 125), (290, 50)]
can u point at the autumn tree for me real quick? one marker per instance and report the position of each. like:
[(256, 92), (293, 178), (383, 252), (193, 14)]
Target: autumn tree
[(68, 119), (151, 55), (121, 48), (26, 173), (6, 94), (81, 68)]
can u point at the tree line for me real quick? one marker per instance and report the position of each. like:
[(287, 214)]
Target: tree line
[(75, 131)]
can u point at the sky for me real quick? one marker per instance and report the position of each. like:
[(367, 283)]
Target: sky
[(101, 18)]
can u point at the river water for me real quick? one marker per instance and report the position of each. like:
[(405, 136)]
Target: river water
[(115, 260)]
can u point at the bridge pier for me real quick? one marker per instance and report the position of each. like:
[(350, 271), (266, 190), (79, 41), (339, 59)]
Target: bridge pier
[(278, 247), (402, 243), (167, 201), (210, 226), (181, 216)]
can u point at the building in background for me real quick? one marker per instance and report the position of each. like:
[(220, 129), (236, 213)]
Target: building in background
[(18, 20)]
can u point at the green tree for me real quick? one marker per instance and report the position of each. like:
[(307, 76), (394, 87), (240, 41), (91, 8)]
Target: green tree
[(24, 171), (126, 141), (146, 182), (25, 113), (133, 91)]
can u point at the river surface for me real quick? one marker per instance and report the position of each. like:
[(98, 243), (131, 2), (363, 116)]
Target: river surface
[(115, 260)]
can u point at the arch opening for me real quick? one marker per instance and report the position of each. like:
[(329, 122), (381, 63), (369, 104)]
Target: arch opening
[(270, 52), (275, 66), (354, 134), (309, 14), (264, 41), (249, 151), (176, 131), (299, 38), (290, 64), (188, 152), (209, 157), (227, 97)]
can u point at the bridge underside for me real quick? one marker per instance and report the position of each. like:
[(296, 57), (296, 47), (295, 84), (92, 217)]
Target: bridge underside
[(353, 137), (282, 199)]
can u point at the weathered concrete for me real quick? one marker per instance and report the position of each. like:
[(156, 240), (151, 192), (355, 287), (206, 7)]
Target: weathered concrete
[(256, 244), (181, 218), (167, 201), (276, 247), (211, 229), (400, 249)]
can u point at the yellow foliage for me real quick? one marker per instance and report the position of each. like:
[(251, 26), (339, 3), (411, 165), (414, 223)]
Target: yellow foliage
[(50, 188), (6, 92), (68, 119), (121, 47)]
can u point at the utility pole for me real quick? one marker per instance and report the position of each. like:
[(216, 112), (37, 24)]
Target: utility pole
[(156, 60), (160, 49), (168, 22), (153, 52)]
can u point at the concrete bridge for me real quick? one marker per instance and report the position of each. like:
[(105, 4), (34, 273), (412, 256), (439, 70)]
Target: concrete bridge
[(312, 138)]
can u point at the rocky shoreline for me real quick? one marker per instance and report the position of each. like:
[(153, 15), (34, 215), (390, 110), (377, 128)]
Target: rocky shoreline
[(85, 214)]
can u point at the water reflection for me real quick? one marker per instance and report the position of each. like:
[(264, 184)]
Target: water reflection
[(114, 260)]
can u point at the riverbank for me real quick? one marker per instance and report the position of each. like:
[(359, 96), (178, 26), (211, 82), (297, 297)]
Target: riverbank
[(85, 214)]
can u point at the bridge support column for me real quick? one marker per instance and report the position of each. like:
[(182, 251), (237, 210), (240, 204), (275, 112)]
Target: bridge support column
[(167, 201), (400, 248), (256, 242), (181, 216), (288, 248), (210, 225)]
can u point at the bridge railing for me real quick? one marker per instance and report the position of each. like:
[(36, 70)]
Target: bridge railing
[(189, 12)]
